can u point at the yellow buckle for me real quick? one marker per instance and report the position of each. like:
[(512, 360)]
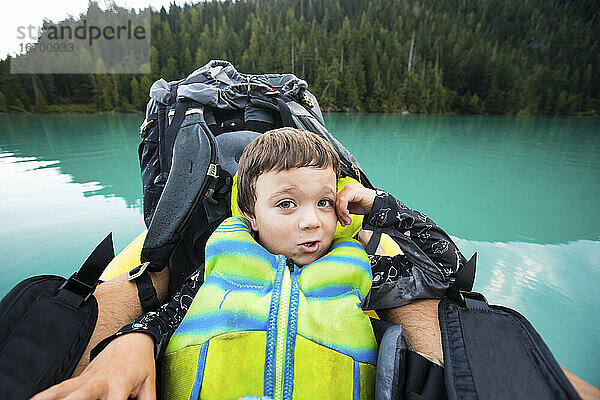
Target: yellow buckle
[(357, 172), (308, 101), (144, 127), (131, 275)]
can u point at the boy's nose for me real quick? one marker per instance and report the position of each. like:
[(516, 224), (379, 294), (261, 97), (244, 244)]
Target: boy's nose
[(309, 220)]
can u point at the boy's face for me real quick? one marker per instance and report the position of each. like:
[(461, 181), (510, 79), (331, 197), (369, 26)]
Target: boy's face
[(294, 213)]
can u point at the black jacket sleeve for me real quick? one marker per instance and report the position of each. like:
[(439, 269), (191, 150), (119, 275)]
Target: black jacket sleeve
[(161, 324), (429, 262)]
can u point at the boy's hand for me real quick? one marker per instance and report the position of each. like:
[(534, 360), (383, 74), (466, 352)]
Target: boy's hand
[(125, 368), (353, 199)]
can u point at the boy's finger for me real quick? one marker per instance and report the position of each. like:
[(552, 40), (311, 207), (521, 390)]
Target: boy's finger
[(347, 219), (342, 210), (341, 217)]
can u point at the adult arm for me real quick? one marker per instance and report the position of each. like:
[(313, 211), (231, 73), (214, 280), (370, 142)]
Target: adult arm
[(420, 317), (585, 390), (119, 304), (421, 325)]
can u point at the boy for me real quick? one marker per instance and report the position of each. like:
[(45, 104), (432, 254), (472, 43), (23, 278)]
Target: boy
[(289, 198), (278, 313)]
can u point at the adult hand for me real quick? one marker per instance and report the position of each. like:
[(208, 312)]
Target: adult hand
[(125, 368), (353, 199)]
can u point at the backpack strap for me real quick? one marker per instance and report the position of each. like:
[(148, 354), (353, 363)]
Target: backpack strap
[(166, 138), (286, 114), (195, 183), (170, 135), (424, 379), (466, 275), (146, 291), (80, 286)]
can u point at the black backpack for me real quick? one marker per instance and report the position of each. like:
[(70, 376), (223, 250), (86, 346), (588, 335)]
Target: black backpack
[(193, 134)]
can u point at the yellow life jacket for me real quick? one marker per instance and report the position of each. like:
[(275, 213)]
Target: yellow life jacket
[(255, 328)]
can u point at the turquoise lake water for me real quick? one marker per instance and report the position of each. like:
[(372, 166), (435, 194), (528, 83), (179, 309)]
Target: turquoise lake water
[(522, 192)]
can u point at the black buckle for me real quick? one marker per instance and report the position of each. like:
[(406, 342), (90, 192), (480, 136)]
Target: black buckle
[(471, 299), (78, 287)]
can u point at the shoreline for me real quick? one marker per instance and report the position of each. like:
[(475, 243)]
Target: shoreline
[(402, 113)]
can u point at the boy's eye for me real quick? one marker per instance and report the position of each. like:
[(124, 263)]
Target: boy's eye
[(285, 204), (325, 203)]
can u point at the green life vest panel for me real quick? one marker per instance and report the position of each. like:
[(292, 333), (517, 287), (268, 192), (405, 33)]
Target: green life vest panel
[(255, 328)]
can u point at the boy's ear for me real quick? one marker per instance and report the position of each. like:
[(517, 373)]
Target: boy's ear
[(252, 220)]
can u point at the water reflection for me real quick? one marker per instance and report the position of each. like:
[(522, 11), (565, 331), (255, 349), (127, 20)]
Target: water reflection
[(62, 192), (89, 148)]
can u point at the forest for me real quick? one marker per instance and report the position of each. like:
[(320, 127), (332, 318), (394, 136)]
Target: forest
[(506, 57)]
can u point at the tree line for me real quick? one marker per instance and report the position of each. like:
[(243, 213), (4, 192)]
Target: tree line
[(511, 57)]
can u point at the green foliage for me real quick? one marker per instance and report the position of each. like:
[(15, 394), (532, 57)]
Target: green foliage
[(3, 107), (539, 57)]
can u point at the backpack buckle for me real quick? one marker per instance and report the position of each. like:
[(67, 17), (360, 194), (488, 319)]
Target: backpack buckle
[(144, 127), (213, 170), (307, 100), (137, 271), (78, 287), (210, 196), (357, 172)]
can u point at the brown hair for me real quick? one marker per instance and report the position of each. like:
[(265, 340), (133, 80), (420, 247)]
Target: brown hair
[(280, 150)]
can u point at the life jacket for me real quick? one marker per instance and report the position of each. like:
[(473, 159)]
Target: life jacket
[(255, 328)]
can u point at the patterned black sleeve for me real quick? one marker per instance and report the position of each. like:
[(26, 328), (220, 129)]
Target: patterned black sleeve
[(161, 324), (429, 263)]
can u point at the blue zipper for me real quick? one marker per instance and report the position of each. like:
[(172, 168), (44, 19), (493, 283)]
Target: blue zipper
[(281, 334)]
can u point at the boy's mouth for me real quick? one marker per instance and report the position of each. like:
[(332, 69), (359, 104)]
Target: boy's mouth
[(309, 247)]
